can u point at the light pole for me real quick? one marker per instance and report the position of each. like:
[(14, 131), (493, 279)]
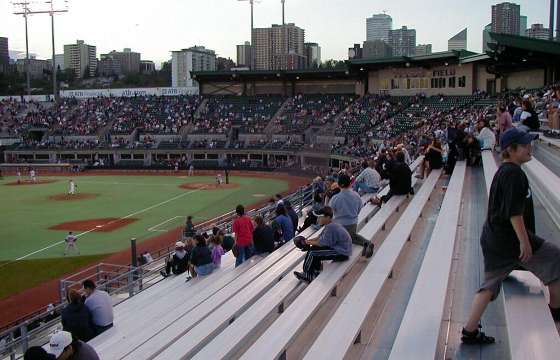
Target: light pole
[(51, 11)]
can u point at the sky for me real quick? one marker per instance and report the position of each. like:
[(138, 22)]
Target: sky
[(156, 27)]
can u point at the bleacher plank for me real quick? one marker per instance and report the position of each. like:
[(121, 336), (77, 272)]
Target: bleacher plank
[(531, 330), (197, 337), (344, 327), (133, 335), (165, 287), (230, 341), (489, 167), (274, 341), (177, 340), (545, 185), (173, 293), (419, 330)]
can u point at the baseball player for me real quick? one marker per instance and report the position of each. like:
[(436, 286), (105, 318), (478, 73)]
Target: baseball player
[(191, 170), (70, 241), (219, 180), (73, 188), (18, 174), (32, 175)]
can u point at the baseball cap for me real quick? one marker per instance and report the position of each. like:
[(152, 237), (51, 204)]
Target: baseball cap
[(325, 211), (179, 244), (58, 342), (516, 136)]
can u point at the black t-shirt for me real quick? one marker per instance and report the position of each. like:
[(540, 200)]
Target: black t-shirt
[(434, 158), (400, 180), (201, 255), (510, 195), (263, 238)]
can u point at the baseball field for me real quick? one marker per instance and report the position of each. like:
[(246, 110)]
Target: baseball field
[(105, 213)]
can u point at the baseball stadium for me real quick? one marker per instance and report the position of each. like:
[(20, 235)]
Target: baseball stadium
[(396, 207)]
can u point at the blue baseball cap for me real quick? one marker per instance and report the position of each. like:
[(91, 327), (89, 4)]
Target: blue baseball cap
[(516, 136)]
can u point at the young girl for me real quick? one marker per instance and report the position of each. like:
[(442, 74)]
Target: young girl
[(217, 250)]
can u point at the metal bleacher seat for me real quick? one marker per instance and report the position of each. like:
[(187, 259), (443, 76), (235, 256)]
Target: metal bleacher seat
[(344, 327), (419, 330), (530, 327), (286, 327)]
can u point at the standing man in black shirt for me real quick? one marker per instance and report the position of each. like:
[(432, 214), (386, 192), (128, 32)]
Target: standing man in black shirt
[(508, 237)]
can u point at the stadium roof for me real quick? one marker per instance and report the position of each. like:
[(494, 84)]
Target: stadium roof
[(525, 43), (445, 56), (510, 53), (305, 74)]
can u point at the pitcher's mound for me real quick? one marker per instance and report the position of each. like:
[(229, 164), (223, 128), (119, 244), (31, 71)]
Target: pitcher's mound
[(208, 186), (100, 225), (68, 197), (29, 182)]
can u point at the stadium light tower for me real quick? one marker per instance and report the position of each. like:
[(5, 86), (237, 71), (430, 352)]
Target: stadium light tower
[(24, 9), (283, 18), (252, 27)]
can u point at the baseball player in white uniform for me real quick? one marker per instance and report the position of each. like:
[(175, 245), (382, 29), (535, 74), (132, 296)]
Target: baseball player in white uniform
[(32, 175), (73, 187), (191, 170), (70, 241), (18, 174)]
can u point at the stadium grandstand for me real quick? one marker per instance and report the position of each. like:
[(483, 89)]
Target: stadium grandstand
[(411, 298)]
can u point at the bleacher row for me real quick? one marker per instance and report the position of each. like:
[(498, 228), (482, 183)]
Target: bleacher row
[(259, 310)]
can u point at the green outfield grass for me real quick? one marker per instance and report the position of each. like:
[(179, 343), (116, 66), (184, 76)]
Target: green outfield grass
[(30, 255)]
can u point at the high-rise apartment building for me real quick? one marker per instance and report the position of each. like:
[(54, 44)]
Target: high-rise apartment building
[(4, 54), (538, 31), (196, 58), (423, 49), (376, 49), (403, 41), (486, 37), (378, 27), (80, 57), (522, 25), (313, 54), (129, 60), (280, 47), (244, 54), (506, 18), (458, 42)]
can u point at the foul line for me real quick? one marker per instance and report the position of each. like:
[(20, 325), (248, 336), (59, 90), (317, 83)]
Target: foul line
[(110, 222), (153, 228)]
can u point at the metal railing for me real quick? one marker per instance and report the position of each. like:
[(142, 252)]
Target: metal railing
[(120, 281)]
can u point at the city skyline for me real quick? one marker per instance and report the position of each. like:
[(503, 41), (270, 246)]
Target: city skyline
[(155, 31)]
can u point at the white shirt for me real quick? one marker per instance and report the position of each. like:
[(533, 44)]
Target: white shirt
[(487, 139), (99, 303), (71, 239)]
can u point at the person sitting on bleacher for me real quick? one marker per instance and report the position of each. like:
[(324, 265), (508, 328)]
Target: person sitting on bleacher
[(334, 243), (369, 180), (508, 237), (201, 257), (346, 206), (76, 318), (100, 305), (64, 347), (283, 226), (400, 182), (179, 262), (263, 237)]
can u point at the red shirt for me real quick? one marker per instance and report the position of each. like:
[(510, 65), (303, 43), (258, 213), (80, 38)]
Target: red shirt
[(243, 229)]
